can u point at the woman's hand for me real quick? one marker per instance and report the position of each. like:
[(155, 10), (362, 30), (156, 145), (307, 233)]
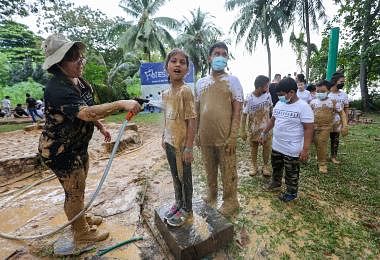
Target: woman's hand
[(129, 105), (106, 134)]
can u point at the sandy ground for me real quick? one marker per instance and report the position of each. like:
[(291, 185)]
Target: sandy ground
[(41, 209)]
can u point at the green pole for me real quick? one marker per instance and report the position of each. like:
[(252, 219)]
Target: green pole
[(333, 52)]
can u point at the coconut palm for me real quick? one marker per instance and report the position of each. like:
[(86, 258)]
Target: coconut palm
[(258, 19), (147, 33), (199, 33), (299, 46), (309, 13)]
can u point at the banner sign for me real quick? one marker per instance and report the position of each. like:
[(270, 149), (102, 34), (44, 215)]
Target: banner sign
[(153, 73)]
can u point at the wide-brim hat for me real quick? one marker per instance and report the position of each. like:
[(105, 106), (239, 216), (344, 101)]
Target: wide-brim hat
[(55, 47)]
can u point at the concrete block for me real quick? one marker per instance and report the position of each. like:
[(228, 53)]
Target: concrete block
[(206, 233)]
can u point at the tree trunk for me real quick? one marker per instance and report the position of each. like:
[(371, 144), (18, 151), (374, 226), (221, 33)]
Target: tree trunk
[(307, 29), (269, 57), (363, 82), (363, 76)]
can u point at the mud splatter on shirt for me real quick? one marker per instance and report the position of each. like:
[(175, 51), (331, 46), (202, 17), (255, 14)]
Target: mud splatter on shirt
[(258, 110), (325, 114), (215, 96), (178, 106), (65, 137)]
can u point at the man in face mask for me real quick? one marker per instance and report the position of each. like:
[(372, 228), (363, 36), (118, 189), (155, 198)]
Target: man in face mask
[(337, 94), (219, 99)]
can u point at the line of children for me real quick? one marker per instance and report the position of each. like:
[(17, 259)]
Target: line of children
[(218, 102)]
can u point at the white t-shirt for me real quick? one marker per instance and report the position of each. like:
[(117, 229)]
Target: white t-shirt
[(233, 83), (340, 97), (304, 95), (6, 103), (288, 133)]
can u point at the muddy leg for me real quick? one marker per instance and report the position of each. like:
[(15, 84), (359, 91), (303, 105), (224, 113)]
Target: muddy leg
[(187, 187), (321, 139), (229, 179), (74, 185), (267, 147), (210, 160), (171, 156), (254, 149)]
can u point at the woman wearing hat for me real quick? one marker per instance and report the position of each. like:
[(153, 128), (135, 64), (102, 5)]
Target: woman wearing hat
[(70, 119)]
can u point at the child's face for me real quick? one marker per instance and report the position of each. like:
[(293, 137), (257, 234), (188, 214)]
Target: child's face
[(322, 89), (218, 52), (301, 85), (177, 67)]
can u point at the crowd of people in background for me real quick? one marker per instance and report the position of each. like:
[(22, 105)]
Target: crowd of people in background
[(33, 108)]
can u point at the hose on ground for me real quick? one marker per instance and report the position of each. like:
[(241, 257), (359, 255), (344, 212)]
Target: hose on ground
[(87, 206)]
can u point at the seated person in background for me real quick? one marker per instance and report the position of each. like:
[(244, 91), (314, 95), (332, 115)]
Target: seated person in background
[(20, 112)]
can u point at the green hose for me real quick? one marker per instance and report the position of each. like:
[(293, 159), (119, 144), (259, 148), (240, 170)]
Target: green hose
[(109, 249)]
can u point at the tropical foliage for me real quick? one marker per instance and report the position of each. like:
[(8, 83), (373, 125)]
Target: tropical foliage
[(309, 13), (259, 19), (199, 32), (147, 32)]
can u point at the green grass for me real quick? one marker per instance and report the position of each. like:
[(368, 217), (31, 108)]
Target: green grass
[(336, 215), (12, 127)]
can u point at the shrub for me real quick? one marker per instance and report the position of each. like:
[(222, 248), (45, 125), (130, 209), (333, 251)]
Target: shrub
[(17, 92)]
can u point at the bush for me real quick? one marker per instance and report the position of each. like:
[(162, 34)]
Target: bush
[(17, 92)]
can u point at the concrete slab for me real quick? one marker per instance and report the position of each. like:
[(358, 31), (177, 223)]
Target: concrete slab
[(206, 233)]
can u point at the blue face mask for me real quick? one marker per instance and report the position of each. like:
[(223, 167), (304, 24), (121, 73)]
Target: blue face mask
[(321, 96), (219, 63), (283, 99)]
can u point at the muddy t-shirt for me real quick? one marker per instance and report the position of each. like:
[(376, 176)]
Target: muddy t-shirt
[(215, 96), (324, 113), (178, 104), (65, 136), (258, 110), (288, 133), (342, 98)]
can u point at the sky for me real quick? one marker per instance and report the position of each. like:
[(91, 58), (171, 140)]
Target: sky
[(245, 66)]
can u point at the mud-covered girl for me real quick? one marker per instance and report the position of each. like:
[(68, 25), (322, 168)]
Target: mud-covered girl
[(178, 136)]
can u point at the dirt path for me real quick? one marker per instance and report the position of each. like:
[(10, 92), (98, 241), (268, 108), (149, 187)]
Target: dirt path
[(41, 209)]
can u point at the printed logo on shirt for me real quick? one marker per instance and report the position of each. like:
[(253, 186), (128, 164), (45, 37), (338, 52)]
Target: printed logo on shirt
[(285, 114), (262, 105)]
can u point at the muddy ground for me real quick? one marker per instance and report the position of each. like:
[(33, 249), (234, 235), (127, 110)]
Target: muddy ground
[(41, 209)]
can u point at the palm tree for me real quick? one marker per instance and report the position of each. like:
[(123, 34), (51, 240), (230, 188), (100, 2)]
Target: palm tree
[(149, 33), (299, 46), (259, 19), (198, 33), (308, 11)]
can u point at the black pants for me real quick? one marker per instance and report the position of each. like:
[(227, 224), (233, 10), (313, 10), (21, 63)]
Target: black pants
[(183, 189), (334, 139), (292, 171)]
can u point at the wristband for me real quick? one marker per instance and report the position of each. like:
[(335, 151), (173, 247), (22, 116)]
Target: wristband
[(188, 150)]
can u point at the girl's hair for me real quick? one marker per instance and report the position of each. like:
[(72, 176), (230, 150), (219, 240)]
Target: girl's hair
[(173, 52), (74, 53), (335, 77), (301, 78)]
